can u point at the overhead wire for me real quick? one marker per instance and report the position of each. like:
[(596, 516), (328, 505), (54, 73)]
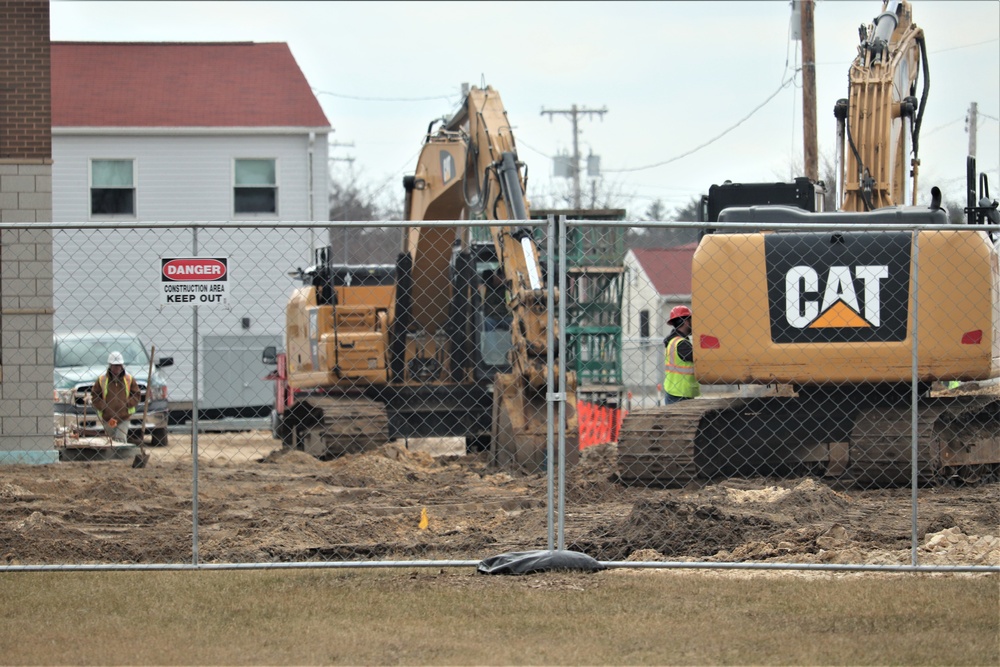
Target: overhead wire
[(784, 84), (522, 142), (383, 99), (965, 46)]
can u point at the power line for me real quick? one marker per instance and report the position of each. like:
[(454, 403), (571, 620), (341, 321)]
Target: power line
[(941, 127), (950, 48), (784, 84), (522, 142), (966, 46), (383, 99)]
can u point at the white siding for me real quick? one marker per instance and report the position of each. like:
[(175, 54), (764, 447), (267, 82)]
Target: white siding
[(190, 177), (640, 295), (110, 279)]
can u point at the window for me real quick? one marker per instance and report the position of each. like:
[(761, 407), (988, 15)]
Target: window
[(255, 186), (644, 323), (112, 187)]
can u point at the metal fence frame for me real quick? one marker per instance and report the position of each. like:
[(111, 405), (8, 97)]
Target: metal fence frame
[(555, 234)]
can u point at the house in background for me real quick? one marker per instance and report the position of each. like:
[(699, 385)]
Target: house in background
[(204, 132), (657, 279)]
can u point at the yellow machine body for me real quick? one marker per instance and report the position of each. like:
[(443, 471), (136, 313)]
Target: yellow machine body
[(957, 297)]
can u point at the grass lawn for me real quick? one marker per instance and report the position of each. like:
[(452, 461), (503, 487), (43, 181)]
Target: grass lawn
[(455, 616)]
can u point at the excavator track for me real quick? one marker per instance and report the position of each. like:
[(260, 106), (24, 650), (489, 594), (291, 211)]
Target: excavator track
[(328, 427), (656, 446), (958, 440)]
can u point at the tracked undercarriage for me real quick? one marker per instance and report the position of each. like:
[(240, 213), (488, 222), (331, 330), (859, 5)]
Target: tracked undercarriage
[(863, 443), (328, 426)]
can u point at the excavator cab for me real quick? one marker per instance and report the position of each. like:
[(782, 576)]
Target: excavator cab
[(491, 314)]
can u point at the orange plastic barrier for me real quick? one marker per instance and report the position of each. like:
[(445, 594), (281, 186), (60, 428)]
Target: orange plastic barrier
[(598, 424)]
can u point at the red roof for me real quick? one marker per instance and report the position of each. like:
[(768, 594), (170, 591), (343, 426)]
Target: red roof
[(669, 269), (170, 84)]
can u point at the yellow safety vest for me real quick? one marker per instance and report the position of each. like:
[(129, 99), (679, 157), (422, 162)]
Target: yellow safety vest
[(678, 379), (104, 391)]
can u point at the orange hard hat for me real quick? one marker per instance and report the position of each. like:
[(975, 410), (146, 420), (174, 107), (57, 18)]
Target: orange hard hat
[(677, 313)]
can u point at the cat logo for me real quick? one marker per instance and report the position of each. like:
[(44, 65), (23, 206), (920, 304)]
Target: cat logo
[(850, 287), (839, 306), (448, 170)]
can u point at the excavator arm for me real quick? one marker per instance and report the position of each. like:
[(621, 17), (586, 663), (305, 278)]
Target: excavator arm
[(879, 123), (468, 170)]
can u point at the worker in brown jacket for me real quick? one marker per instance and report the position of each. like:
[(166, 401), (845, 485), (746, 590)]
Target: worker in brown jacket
[(115, 396)]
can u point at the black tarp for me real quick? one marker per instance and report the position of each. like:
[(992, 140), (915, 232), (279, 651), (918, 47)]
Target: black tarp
[(528, 562)]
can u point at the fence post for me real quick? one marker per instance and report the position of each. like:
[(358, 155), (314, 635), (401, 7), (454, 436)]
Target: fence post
[(914, 396), (563, 358), (550, 378), (194, 417)]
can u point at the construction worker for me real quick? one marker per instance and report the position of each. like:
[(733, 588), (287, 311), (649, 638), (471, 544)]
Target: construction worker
[(679, 383), (115, 396)]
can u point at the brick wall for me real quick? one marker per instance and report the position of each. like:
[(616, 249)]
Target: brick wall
[(25, 102), (26, 427)]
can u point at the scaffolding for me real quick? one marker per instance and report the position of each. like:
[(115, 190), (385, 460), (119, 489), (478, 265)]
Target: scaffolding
[(595, 283)]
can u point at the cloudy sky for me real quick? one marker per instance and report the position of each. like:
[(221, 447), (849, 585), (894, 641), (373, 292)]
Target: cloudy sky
[(695, 92)]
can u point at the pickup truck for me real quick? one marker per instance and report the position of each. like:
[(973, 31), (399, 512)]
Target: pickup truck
[(80, 357)]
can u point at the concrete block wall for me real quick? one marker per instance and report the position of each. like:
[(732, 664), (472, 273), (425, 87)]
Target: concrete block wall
[(26, 426)]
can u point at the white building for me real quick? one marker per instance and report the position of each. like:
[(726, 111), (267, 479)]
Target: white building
[(657, 279), (205, 132)]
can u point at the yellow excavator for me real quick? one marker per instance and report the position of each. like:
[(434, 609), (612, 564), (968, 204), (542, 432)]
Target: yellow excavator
[(856, 323), (381, 352)]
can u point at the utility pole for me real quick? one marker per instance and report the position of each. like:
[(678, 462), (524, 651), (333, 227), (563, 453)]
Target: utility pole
[(971, 121), (810, 153), (574, 112), (350, 160), (337, 144)]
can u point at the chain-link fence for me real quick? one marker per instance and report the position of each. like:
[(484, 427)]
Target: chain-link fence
[(445, 405)]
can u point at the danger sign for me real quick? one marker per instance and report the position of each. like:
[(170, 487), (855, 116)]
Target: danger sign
[(194, 268), (194, 281)]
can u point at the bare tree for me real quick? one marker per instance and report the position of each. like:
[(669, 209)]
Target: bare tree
[(601, 195), (352, 202), (665, 237), (656, 211)]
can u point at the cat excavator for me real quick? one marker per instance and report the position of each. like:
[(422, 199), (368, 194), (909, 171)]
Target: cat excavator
[(381, 352), (856, 320)]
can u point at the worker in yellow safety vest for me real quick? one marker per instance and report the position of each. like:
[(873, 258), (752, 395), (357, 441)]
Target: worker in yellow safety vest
[(115, 396), (679, 383)]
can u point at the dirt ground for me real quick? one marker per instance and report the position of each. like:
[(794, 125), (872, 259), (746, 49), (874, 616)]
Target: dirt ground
[(429, 500)]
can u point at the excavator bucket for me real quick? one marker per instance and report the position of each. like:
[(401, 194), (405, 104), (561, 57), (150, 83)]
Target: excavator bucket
[(520, 428)]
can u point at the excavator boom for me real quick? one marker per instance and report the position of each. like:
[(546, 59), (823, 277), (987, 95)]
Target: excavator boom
[(469, 170), (879, 123)]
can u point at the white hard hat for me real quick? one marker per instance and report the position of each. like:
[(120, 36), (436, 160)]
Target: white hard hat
[(116, 358)]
